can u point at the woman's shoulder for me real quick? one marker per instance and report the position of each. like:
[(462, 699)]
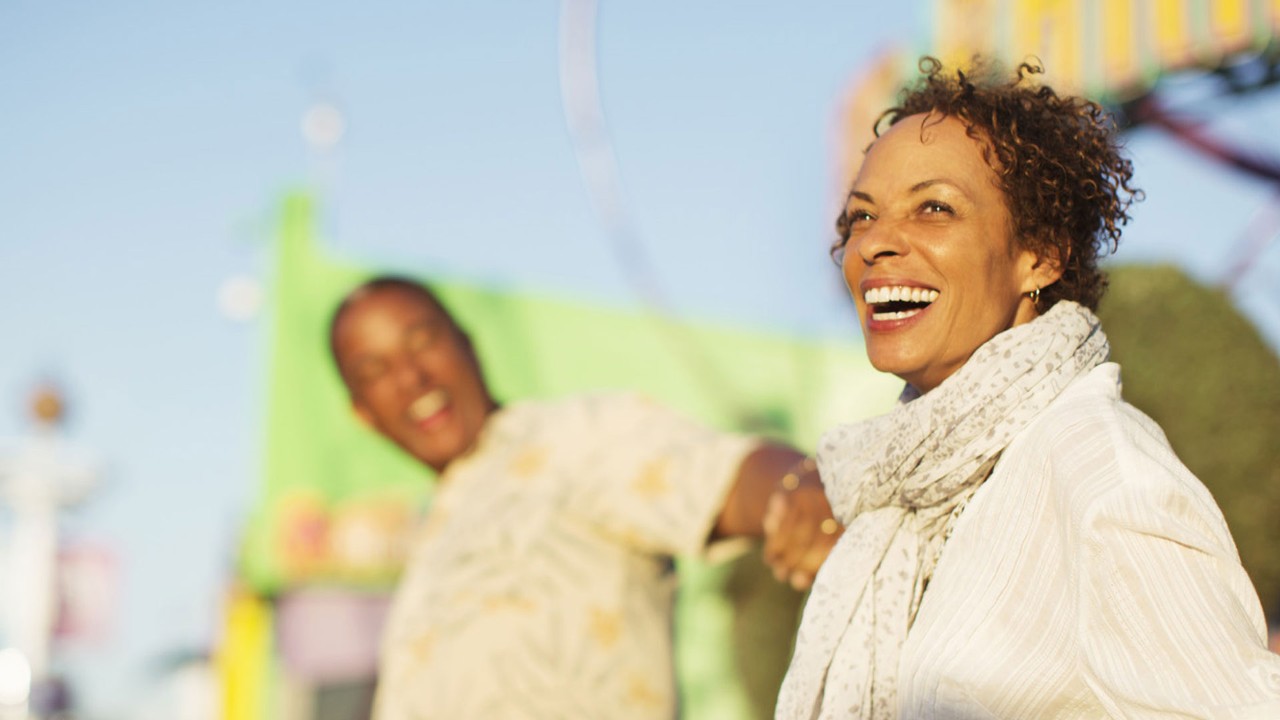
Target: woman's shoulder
[(1090, 432), (1098, 454)]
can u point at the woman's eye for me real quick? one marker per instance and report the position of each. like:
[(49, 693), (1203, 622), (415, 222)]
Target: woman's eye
[(857, 216), (933, 207)]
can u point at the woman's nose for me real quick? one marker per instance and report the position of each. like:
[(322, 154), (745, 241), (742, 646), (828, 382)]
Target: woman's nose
[(880, 240)]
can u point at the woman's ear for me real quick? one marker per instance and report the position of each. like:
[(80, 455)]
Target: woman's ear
[(1047, 271), (1045, 265)]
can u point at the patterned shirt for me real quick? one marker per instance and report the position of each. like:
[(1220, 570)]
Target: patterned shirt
[(540, 584)]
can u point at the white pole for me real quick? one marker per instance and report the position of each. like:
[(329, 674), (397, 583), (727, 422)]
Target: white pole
[(37, 479), (33, 553)]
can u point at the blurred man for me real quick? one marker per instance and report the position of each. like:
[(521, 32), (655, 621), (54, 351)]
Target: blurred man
[(540, 583)]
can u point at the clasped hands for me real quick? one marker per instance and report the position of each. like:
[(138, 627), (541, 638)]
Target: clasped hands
[(799, 528)]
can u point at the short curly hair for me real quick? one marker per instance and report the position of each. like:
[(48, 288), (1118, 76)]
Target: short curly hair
[(1058, 159)]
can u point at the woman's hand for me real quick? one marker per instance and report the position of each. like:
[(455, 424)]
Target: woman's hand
[(799, 527)]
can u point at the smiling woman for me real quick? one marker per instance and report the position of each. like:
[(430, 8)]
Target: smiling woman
[(1020, 541), (931, 257)]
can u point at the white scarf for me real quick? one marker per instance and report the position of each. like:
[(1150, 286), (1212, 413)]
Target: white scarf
[(896, 482)]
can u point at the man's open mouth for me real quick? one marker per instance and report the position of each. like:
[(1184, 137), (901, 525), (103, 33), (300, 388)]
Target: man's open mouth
[(428, 405)]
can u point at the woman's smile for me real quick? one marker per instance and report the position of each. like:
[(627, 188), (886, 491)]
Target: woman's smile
[(888, 304)]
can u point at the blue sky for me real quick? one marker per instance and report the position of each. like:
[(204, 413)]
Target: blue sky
[(143, 147)]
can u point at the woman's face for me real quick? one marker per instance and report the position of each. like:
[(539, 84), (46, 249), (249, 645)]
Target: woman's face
[(931, 259)]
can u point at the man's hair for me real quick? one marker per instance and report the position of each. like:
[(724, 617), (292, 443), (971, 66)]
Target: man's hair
[(1058, 160), (382, 283)]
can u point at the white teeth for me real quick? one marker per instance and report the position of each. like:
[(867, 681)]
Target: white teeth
[(428, 405), (899, 293), (894, 315)]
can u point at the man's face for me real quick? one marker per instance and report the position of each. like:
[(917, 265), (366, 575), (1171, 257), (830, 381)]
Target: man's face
[(412, 374)]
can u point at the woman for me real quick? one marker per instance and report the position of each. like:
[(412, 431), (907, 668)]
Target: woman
[(1020, 543)]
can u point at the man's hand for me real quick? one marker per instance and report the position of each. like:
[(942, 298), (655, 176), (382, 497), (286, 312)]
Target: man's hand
[(799, 527)]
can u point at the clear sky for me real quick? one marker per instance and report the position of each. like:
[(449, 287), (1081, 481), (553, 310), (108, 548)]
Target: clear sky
[(144, 146)]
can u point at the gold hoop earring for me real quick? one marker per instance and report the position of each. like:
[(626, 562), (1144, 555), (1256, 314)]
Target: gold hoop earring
[(1035, 296)]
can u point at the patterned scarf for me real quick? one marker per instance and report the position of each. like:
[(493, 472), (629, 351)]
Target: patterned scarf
[(897, 482)]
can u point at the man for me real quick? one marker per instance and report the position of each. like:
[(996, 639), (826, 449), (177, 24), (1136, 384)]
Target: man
[(540, 584)]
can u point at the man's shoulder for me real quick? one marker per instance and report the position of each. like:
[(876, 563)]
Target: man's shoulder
[(585, 414), (599, 406)]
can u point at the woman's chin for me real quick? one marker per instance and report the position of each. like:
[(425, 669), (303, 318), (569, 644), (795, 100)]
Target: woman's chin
[(910, 373), (892, 364)]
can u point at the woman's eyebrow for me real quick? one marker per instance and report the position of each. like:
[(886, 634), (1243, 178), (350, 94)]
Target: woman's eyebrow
[(922, 185), (925, 184)]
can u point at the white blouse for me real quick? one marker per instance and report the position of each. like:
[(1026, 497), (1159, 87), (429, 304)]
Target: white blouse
[(1092, 575)]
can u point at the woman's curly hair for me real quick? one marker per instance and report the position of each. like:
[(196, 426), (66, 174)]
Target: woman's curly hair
[(1058, 160)]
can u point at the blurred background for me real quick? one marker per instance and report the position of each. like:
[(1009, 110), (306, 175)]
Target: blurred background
[(613, 195)]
